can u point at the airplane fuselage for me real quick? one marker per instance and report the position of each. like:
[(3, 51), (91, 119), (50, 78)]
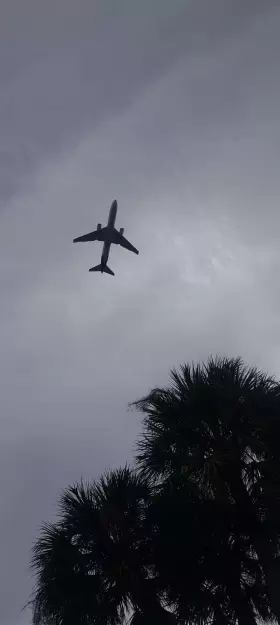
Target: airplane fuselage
[(112, 215), (105, 253), (108, 235), (111, 225)]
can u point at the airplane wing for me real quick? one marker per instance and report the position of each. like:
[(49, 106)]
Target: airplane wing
[(125, 243), (96, 235)]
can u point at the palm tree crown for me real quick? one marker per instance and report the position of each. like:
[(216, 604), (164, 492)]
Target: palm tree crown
[(94, 565), (190, 536), (212, 427)]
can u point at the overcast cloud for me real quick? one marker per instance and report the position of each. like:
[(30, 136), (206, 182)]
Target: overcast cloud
[(172, 107)]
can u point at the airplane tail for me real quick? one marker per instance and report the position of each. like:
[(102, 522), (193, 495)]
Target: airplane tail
[(102, 268)]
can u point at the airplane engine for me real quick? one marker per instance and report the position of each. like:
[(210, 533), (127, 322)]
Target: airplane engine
[(99, 226), (121, 231)]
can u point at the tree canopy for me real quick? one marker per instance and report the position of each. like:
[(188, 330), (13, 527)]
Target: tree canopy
[(191, 533)]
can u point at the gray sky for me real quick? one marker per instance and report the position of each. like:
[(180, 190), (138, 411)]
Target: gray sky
[(173, 108)]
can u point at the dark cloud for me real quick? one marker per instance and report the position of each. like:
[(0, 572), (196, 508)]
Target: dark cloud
[(67, 66)]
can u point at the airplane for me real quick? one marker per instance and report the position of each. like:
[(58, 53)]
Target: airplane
[(108, 235)]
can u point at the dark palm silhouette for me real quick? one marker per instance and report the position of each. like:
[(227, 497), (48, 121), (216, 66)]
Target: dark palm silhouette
[(208, 572), (193, 537), (121, 552), (95, 564), (217, 427)]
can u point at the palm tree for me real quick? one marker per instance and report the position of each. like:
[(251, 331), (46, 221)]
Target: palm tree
[(94, 566), (208, 574), (212, 427)]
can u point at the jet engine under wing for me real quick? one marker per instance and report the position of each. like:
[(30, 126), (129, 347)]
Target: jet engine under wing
[(119, 239), (96, 235)]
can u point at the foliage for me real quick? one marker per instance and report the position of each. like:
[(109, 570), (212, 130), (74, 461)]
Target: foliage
[(190, 536), (95, 564), (213, 427)]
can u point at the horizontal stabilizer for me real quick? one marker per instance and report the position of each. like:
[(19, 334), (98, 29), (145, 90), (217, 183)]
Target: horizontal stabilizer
[(103, 268)]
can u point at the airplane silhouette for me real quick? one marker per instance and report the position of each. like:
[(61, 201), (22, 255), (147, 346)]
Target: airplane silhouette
[(108, 235)]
